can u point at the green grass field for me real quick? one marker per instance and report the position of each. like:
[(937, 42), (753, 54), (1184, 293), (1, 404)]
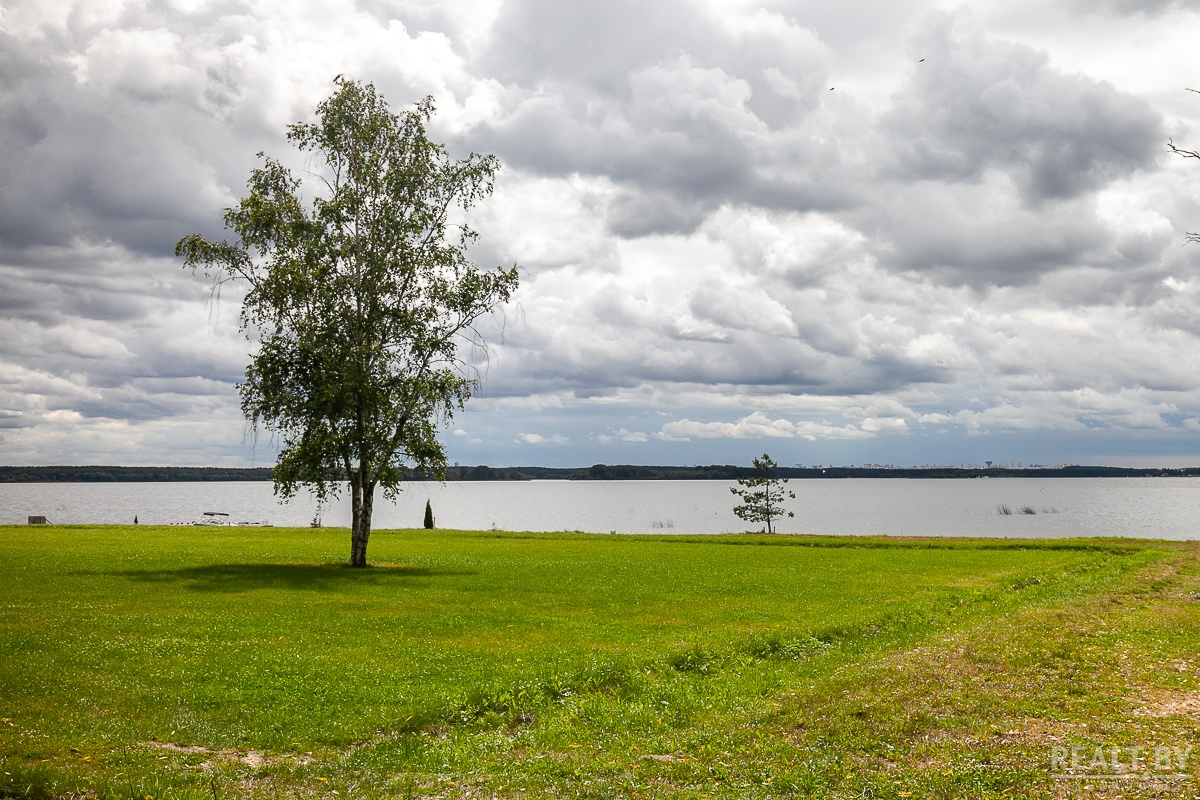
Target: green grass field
[(156, 662)]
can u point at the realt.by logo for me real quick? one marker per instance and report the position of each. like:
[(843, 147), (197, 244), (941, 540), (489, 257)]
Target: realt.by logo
[(1116, 762)]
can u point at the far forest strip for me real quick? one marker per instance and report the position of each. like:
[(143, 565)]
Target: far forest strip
[(598, 472)]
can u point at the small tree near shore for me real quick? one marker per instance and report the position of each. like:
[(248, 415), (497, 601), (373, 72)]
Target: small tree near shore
[(763, 495)]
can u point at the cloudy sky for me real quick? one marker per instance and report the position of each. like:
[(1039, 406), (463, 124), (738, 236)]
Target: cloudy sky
[(853, 232)]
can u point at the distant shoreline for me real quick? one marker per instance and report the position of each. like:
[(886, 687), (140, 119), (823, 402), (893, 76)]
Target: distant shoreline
[(598, 472)]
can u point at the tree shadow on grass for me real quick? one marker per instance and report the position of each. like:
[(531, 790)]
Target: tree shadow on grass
[(314, 577)]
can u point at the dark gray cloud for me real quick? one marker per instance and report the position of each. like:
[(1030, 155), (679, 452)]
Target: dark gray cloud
[(994, 161), (977, 103), (95, 179), (985, 234), (682, 109), (588, 44)]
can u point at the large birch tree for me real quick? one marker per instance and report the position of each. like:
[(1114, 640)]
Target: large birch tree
[(359, 298)]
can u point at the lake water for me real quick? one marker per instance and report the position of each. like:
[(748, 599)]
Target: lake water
[(1167, 508)]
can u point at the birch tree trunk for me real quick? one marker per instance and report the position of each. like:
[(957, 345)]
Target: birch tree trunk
[(362, 505)]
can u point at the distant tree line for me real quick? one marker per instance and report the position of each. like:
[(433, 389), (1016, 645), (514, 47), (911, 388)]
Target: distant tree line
[(130, 474), (596, 472)]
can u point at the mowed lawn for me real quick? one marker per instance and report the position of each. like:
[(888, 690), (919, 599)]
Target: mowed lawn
[(189, 662)]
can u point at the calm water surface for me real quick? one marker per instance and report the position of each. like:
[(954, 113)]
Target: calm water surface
[(1167, 508)]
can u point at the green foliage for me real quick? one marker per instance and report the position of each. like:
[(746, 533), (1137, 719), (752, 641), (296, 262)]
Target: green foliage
[(360, 300), (762, 495), (428, 516)]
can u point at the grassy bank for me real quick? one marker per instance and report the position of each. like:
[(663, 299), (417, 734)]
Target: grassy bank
[(179, 662)]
